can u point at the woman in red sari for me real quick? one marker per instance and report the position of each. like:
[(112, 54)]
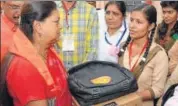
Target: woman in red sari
[(35, 75)]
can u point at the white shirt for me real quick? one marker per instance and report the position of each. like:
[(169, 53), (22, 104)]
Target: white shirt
[(104, 47), (173, 101)]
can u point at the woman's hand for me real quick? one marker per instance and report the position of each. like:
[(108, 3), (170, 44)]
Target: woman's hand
[(38, 103), (74, 102), (145, 95)]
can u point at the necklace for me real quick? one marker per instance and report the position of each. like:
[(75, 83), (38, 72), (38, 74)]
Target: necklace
[(130, 54)]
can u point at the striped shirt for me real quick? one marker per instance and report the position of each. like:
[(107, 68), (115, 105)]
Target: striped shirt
[(82, 23)]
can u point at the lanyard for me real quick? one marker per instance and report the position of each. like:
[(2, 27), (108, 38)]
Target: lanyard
[(120, 37), (130, 54)]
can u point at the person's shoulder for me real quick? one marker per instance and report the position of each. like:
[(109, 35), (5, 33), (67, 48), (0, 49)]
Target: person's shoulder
[(18, 61), (161, 52), (21, 67), (154, 44), (23, 74)]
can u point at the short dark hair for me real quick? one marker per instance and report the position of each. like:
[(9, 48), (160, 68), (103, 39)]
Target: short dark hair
[(173, 4), (35, 10), (120, 5), (163, 29)]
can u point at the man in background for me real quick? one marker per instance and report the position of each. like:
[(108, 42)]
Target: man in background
[(9, 23), (79, 40)]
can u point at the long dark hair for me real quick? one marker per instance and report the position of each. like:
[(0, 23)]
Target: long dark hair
[(162, 30), (151, 16), (36, 10), (120, 5)]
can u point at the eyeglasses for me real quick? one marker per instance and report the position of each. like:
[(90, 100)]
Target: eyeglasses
[(13, 7)]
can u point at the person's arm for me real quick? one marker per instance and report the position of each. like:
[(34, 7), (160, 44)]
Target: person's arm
[(173, 79), (38, 103), (160, 71), (25, 83), (92, 36), (75, 103), (173, 57), (145, 95)]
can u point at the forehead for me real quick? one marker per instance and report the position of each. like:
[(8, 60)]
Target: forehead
[(113, 7), (54, 14), (168, 9), (17, 3), (138, 15)]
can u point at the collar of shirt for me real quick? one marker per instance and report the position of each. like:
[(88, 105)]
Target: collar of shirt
[(77, 4), (11, 25), (60, 4)]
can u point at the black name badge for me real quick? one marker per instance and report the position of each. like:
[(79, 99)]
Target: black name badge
[(111, 104)]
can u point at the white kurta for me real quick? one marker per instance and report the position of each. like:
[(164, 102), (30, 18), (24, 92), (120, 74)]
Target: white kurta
[(104, 47)]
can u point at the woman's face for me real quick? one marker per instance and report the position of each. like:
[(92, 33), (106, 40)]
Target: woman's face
[(51, 28), (170, 15), (113, 17), (139, 26)]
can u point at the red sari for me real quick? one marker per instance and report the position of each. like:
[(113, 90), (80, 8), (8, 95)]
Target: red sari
[(7, 31), (30, 79), (54, 65)]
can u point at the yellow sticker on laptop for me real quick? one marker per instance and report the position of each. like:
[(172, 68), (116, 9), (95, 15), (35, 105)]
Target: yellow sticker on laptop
[(101, 80)]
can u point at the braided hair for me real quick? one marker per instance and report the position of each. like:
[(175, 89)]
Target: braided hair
[(163, 29), (150, 39), (122, 50), (151, 16)]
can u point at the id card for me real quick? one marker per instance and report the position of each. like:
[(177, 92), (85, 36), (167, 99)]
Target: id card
[(113, 50), (68, 43)]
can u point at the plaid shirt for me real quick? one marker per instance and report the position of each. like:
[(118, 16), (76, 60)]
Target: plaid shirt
[(83, 24)]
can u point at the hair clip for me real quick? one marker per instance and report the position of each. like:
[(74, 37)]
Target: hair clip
[(122, 50), (143, 59)]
